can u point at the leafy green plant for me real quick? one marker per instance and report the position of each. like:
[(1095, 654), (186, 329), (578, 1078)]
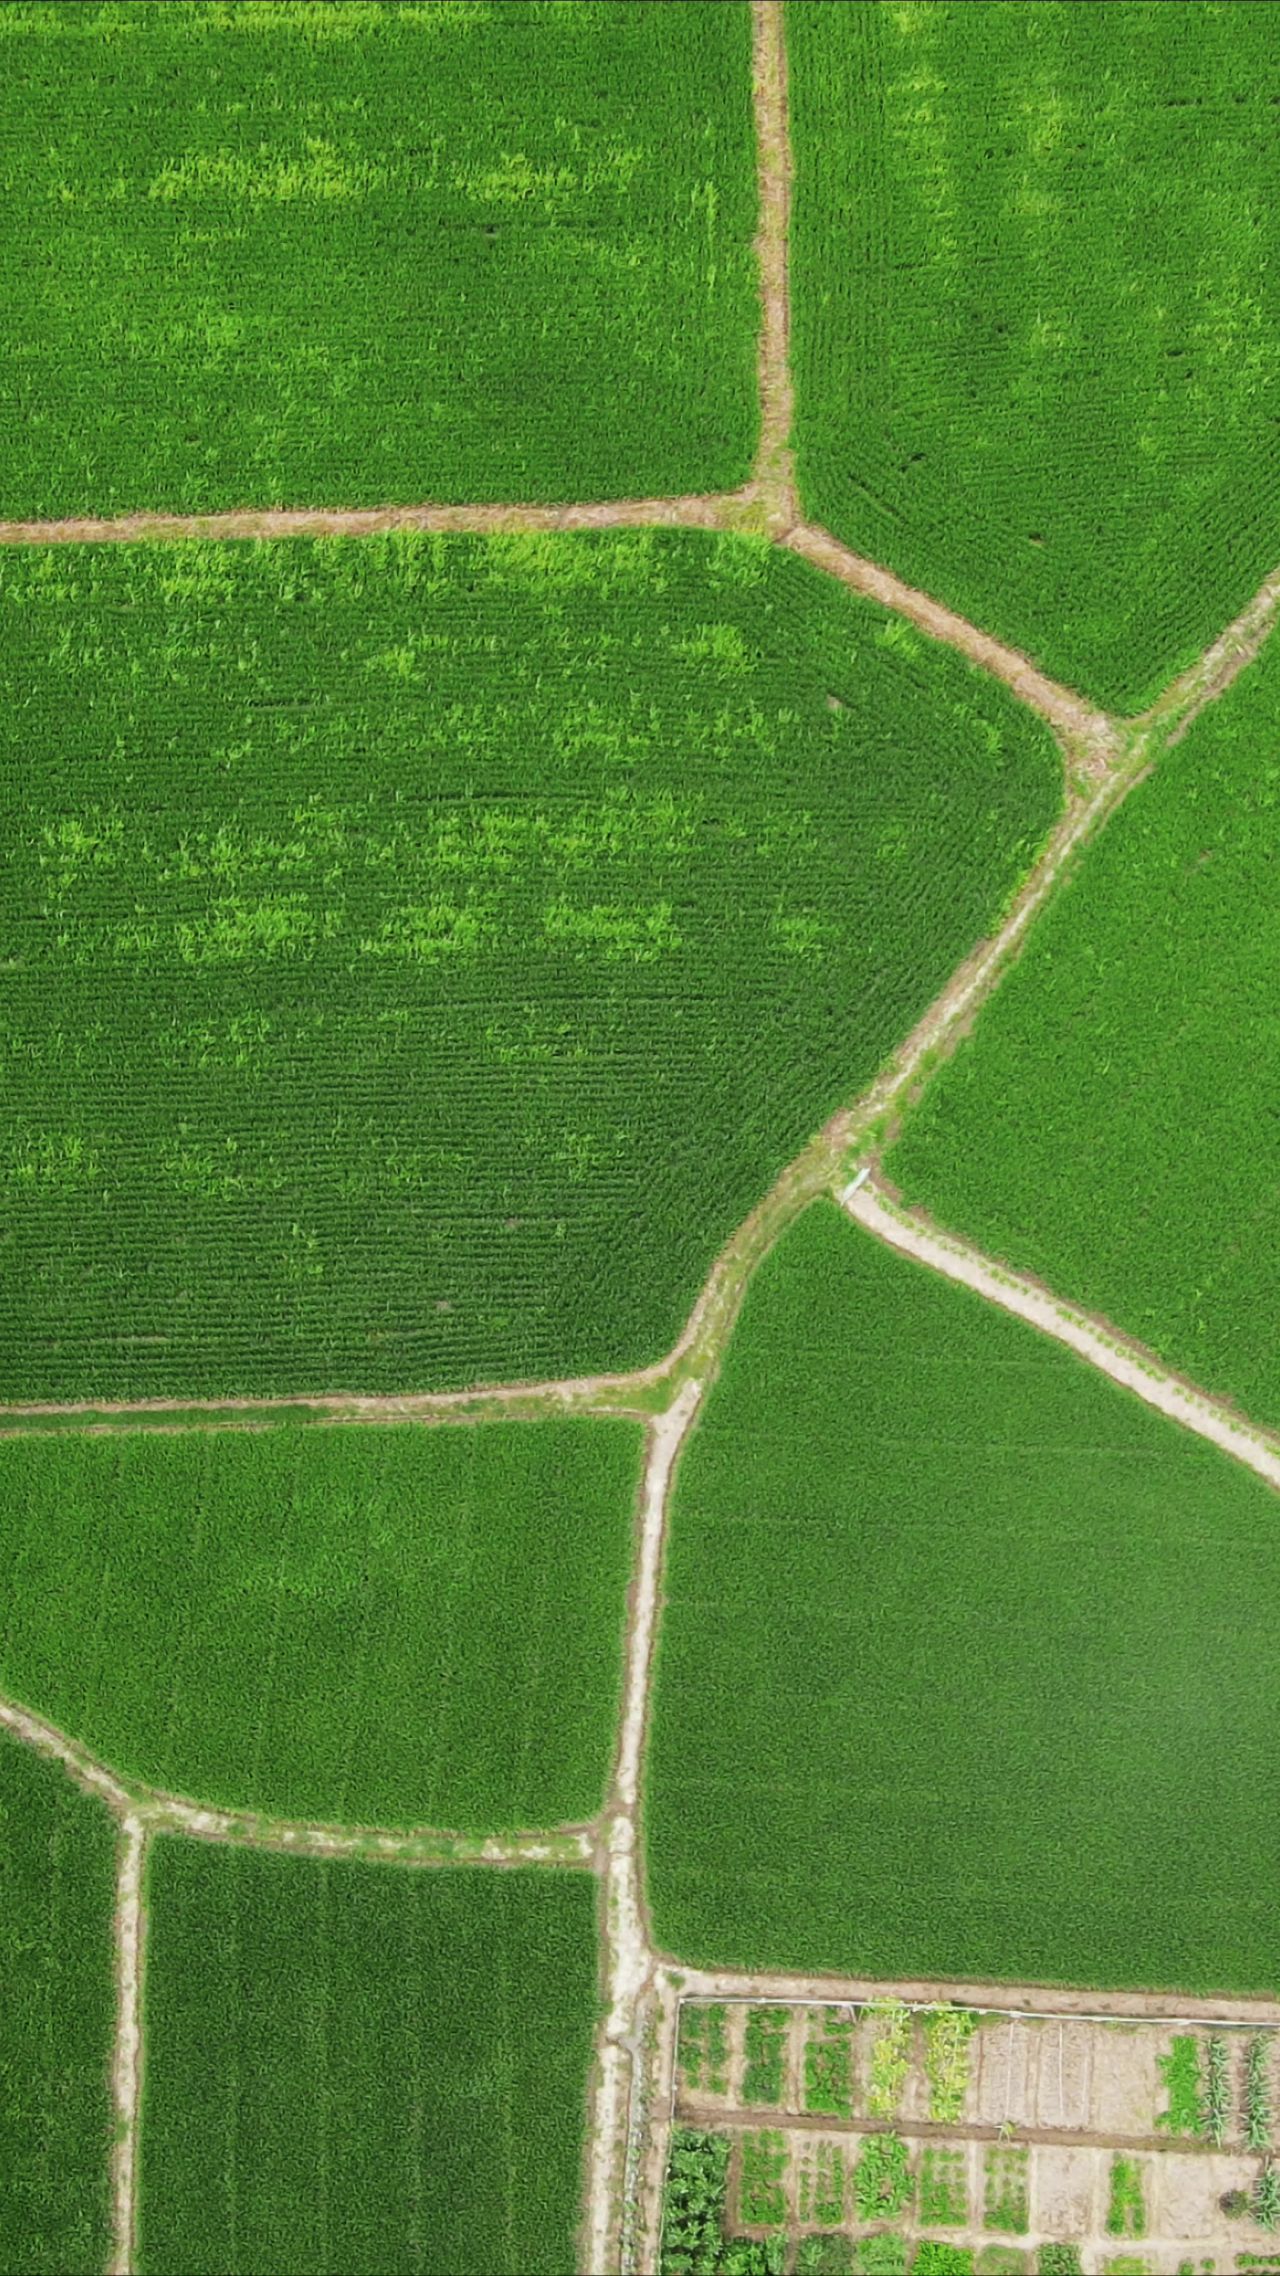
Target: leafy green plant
[(1180, 2070), (1126, 2213), (693, 2201), (1266, 2197), (944, 2201), (1000, 2260), (890, 2056), (828, 2064), (947, 2032), (1217, 2092), (1257, 2094), (765, 2048), (704, 2048), (937, 2259), (882, 2182), (1005, 2185), (762, 2194), (882, 2255), (825, 2255), (1058, 2260), (821, 2183)]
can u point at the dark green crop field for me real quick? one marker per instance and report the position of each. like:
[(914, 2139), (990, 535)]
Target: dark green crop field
[(421, 954), (354, 2070), (333, 253), (400, 1626), (57, 1886), (970, 1665), (1130, 1064), (1036, 314)]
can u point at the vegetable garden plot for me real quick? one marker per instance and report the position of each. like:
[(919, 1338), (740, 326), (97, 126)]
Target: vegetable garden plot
[(1130, 1064), (421, 954), (969, 1666), (345, 254), (1055, 2155), (57, 1887), (400, 1626), (1036, 315), (357, 2068)]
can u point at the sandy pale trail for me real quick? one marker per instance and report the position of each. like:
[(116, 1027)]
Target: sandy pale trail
[(126, 2067)]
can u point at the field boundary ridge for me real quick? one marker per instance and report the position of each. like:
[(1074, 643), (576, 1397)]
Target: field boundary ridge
[(1122, 1358)]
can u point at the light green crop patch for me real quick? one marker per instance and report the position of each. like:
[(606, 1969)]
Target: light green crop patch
[(324, 254), (376, 916)]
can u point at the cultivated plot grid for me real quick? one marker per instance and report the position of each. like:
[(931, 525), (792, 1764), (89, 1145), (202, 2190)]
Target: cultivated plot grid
[(635, 2083)]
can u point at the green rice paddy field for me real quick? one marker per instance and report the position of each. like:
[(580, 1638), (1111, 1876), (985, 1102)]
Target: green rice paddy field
[(354, 2068), (969, 1667), (1130, 1063), (57, 1886), (353, 254), (399, 1626), (420, 954), (1036, 314)]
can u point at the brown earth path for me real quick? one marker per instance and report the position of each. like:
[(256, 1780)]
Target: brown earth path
[(716, 2119), (126, 2062)]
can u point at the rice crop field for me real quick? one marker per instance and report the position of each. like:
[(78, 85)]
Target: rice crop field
[(334, 253), (1036, 315), (969, 1668), (420, 954), (57, 1884), (1130, 1062), (353, 2069), (384, 1626)]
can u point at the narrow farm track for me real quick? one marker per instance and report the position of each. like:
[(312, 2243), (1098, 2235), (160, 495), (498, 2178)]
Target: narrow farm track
[(561, 1846), (1092, 737), (628, 1960), (1125, 1362), (126, 2066), (595, 1394), (709, 510)]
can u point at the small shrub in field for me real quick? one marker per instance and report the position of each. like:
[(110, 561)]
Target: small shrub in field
[(765, 2046), (944, 2202), (882, 2180), (1180, 2070), (1257, 2098), (1006, 2195), (1217, 2091), (890, 2057), (1126, 2214), (763, 2195), (947, 2032)]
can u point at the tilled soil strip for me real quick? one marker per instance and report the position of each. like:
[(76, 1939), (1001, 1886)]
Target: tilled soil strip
[(697, 2111)]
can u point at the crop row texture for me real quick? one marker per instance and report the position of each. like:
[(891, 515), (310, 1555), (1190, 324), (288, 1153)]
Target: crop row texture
[(381, 1626), (1130, 1065), (359, 2068), (57, 1884), (931, 1687), (345, 254), (1036, 314), (420, 954)]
